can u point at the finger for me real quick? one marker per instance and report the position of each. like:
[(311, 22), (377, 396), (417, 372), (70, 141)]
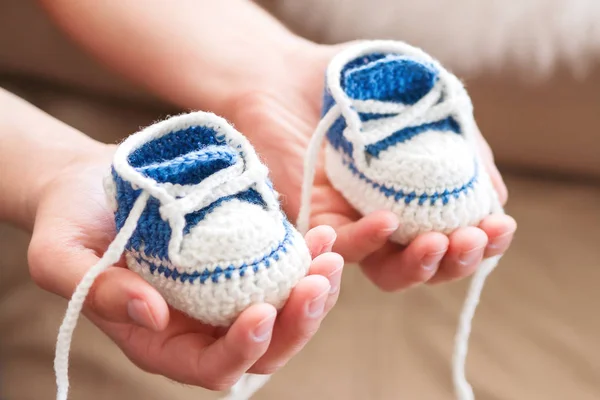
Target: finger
[(464, 255), (121, 295), (217, 366), (394, 268), (331, 266), (488, 158), (500, 230), (297, 323), (497, 181), (357, 240), (320, 240), (117, 295)]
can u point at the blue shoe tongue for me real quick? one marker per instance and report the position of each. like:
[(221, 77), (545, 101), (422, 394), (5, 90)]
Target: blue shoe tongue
[(192, 167), (393, 78)]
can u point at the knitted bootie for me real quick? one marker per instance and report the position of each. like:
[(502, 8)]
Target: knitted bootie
[(400, 136), (197, 217), (212, 238)]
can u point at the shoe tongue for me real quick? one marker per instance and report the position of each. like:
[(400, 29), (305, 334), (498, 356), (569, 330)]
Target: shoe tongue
[(390, 78), (192, 167)]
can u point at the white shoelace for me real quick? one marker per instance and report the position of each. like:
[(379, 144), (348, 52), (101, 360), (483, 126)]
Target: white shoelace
[(428, 109), (110, 257), (223, 183)]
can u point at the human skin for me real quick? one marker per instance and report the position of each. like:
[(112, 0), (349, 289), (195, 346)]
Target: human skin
[(234, 59), (51, 185)]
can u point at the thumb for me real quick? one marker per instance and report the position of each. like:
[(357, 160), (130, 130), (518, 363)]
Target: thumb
[(121, 295), (117, 295)]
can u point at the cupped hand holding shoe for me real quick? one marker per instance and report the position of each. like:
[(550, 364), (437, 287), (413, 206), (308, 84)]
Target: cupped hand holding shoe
[(290, 114), (58, 194), (244, 65)]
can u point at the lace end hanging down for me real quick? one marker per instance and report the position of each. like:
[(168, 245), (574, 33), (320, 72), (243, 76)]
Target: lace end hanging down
[(462, 388), (310, 166), (425, 110), (110, 257), (246, 387)]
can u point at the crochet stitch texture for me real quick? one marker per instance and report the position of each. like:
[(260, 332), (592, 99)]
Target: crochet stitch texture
[(213, 255), (198, 218), (399, 135)]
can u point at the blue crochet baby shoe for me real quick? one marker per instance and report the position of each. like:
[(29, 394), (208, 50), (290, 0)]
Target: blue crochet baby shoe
[(196, 217), (399, 135), (211, 236)]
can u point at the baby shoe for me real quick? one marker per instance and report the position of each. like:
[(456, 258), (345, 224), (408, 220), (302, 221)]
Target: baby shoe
[(399, 135), (198, 218), (212, 238)]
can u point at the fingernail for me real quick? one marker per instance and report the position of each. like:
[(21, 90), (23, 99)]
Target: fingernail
[(263, 330), (327, 246), (431, 260), (139, 312), (500, 241), (316, 307), (469, 257), (335, 279), (385, 233)]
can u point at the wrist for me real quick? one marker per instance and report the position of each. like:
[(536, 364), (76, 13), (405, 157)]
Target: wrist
[(279, 70), (70, 151), (35, 149)]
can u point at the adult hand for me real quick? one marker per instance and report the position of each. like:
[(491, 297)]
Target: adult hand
[(73, 227), (280, 120), (244, 65)]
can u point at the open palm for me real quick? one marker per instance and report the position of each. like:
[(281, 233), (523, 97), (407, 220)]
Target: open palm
[(280, 121), (74, 227)]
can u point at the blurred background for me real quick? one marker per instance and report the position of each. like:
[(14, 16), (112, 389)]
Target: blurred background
[(532, 68)]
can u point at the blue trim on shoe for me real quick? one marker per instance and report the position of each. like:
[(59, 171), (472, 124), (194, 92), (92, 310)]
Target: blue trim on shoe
[(335, 137), (338, 141), (397, 79), (446, 125), (152, 232), (184, 157), (400, 195), (406, 91), (203, 276), (175, 144), (192, 167), (249, 196)]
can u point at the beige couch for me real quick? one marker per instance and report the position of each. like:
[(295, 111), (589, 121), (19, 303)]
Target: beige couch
[(536, 331)]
